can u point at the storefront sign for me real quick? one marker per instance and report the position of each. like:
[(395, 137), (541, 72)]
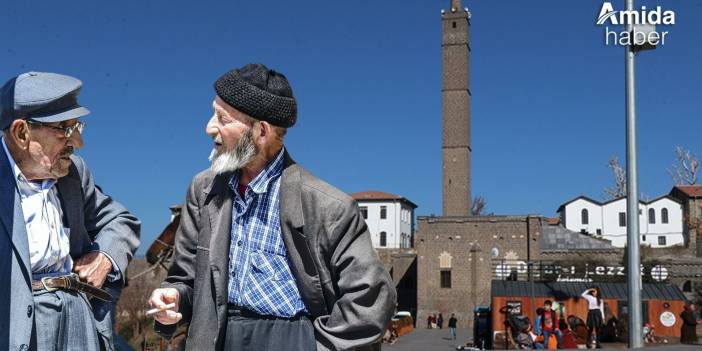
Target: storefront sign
[(667, 318)]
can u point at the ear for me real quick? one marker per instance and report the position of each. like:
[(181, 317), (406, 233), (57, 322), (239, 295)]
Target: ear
[(266, 130), (19, 133)]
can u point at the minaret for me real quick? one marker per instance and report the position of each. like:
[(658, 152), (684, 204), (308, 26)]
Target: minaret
[(455, 110)]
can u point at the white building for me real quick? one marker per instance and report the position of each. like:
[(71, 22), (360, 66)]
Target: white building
[(390, 218), (660, 220)]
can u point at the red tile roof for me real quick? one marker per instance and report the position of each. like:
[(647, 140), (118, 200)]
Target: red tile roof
[(691, 190), (553, 221), (373, 195)]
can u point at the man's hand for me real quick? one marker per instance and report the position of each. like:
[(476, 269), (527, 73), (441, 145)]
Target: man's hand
[(93, 268), (162, 297)]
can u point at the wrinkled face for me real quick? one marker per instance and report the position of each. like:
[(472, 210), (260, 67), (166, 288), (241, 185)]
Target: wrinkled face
[(49, 150), (233, 136)]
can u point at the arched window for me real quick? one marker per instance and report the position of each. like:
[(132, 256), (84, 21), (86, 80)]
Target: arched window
[(664, 215), (445, 259), (584, 216), (651, 216), (383, 239)]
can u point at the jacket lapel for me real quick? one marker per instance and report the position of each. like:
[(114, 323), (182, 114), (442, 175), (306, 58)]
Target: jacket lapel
[(219, 209), (291, 195), (11, 215), (67, 188), (292, 222)]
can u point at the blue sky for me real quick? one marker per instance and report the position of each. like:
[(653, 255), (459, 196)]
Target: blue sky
[(548, 95)]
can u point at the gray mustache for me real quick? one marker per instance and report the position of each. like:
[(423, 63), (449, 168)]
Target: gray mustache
[(68, 151)]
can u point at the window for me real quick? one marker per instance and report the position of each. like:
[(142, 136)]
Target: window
[(643, 237), (383, 239), (687, 286), (599, 231), (661, 240), (364, 212), (622, 219), (445, 260), (583, 216), (453, 24), (651, 216), (664, 215), (446, 279), (383, 212)]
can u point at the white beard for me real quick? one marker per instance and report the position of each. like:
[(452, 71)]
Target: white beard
[(234, 160)]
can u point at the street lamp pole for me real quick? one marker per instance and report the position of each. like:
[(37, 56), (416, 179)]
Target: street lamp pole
[(632, 197)]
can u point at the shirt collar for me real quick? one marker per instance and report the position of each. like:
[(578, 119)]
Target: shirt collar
[(26, 187), (259, 184)]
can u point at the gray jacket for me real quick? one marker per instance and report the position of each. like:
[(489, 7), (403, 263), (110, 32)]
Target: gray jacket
[(343, 283), (97, 223)]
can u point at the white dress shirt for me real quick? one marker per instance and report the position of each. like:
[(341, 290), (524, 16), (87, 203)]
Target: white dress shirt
[(49, 245)]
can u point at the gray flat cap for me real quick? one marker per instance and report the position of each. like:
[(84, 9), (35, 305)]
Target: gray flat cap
[(40, 96)]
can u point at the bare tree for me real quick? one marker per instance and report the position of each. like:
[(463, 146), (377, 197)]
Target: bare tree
[(684, 170), (479, 207), (619, 173)]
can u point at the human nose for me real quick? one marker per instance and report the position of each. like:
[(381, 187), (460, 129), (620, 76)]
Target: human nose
[(211, 129), (76, 140)]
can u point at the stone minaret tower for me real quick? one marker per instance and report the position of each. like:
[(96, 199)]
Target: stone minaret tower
[(456, 97)]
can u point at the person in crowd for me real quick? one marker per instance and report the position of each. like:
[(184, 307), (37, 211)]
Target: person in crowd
[(595, 314), (440, 321), (548, 323), (536, 340), (609, 331), (688, 330), (649, 334), (452, 325), (568, 338), (578, 326)]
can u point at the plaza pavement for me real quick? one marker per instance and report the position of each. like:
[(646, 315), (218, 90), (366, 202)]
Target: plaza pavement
[(440, 339)]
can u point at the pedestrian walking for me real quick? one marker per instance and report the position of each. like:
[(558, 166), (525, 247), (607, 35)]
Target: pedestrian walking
[(452, 325)]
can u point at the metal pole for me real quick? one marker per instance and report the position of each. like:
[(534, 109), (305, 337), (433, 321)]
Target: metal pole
[(632, 198)]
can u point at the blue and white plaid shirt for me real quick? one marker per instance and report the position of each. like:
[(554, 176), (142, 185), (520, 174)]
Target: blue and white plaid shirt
[(260, 279)]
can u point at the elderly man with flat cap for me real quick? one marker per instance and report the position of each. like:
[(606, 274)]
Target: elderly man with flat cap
[(267, 256), (64, 244)]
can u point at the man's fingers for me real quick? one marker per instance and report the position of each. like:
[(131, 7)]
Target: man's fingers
[(170, 296), (173, 315), (168, 317), (162, 297)]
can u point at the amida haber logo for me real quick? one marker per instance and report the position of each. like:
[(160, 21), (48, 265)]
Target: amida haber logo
[(644, 23)]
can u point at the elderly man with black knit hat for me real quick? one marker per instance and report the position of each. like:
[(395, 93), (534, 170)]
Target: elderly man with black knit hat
[(269, 257)]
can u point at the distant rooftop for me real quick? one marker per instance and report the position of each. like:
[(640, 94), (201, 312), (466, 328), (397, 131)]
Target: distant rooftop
[(690, 190), (373, 195)]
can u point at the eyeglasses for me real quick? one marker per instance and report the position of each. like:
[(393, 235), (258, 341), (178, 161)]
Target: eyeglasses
[(68, 131)]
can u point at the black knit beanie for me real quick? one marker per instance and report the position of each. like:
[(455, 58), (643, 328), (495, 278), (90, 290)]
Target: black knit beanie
[(259, 92)]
